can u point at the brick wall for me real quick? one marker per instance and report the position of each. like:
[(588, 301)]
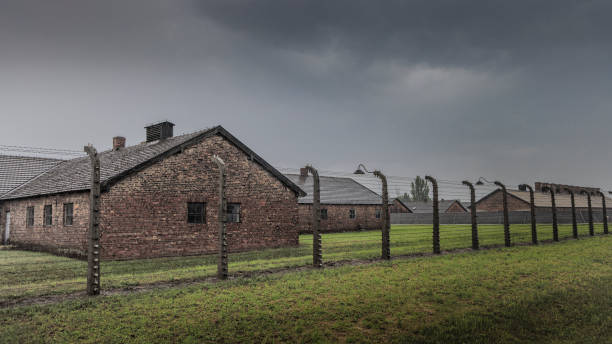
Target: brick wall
[(398, 207), (494, 203), (455, 208), (338, 218), (145, 214), (57, 238)]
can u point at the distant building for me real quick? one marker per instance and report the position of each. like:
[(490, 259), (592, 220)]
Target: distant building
[(346, 205), (398, 207), (445, 206), (518, 200)]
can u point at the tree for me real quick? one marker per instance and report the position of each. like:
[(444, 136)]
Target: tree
[(419, 190)]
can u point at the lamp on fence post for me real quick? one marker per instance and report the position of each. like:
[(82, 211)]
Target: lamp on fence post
[(574, 223), (317, 259), (604, 214), (93, 235), (386, 246), (436, 215), (554, 212), (534, 232), (473, 212), (590, 207), (222, 218)]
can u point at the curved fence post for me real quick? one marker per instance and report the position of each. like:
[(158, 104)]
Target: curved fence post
[(590, 207), (436, 215), (93, 237), (386, 237), (554, 212), (317, 258), (507, 241), (534, 231), (222, 262), (574, 222), (604, 212), (475, 244)]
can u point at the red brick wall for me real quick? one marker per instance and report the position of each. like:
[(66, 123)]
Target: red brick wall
[(145, 214), (455, 208), (70, 240), (338, 218), (397, 207), (495, 203)]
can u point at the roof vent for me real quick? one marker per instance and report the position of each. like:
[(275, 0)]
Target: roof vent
[(159, 131)]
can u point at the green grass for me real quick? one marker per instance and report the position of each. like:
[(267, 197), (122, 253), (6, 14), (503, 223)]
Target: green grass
[(29, 274), (558, 293)]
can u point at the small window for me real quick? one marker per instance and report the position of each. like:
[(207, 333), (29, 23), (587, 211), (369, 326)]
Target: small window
[(195, 212), (30, 217), (323, 214), (233, 212), (378, 213), (68, 214), (352, 214), (48, 215)]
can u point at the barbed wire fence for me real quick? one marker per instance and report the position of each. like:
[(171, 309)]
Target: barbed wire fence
[(416, 233)]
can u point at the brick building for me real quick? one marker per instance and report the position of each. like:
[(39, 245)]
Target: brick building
[(518, 200), (159, 198), (398, 207), (346, 205), (445, 206), (14, 172)]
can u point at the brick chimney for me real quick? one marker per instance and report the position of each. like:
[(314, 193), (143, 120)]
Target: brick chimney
[(118, 142), (159, 131)]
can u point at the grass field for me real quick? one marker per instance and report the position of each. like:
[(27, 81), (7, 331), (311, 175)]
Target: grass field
[(535, 294), (29, 274)]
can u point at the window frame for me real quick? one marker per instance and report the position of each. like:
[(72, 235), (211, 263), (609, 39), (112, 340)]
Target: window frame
[(65, 214), (30, 216), (48, 215), (323, 214), (352, 213), (233, 217), (191, 215), (378, 213)]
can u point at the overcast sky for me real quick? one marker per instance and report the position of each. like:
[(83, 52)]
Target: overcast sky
[(512, 90)]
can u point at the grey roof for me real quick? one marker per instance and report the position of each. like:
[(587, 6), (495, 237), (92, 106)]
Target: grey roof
[(336, 190), (427, 207), (75, 175), (17, 170)]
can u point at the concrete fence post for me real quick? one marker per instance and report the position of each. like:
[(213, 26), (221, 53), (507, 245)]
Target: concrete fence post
[(574, 222), (386, 236), (222, 218), (317, 259), (604, 212), (507, 241), (436, 215), (93, 235), (590, 208), (475, 244), (554, 212), (534, 231)]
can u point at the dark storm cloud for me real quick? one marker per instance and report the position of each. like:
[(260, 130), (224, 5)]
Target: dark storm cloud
[(516, 90), (450, 33)]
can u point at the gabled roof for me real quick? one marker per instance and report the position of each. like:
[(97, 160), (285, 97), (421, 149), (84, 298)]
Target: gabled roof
[(75, 174), (336, 190), (17, 170), (427, 207), (562, 200)]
